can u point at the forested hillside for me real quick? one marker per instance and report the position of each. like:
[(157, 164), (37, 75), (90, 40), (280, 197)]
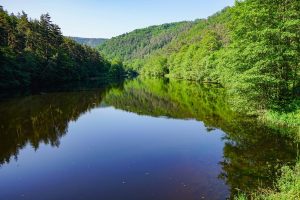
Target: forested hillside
[(132, 48), (252, 49), (36, 52), (92, 42)]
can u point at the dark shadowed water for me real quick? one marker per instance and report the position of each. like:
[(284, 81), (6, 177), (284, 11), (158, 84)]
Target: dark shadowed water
[(141, 140)]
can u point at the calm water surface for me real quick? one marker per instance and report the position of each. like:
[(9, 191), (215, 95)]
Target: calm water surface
[(144, 139)]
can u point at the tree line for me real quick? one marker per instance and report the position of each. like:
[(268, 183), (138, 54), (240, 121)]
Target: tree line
[(34, 52)]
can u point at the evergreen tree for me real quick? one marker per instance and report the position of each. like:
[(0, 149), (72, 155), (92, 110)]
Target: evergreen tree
[(36, 52)]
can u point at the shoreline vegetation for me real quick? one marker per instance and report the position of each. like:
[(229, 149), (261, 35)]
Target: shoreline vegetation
[(288, 186)]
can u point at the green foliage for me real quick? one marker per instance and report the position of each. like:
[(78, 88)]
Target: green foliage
[(288, 187), (252, 49), (281, 118), (288, 184), (190, 54), (133, 47), (261, 65), (157, 67), (116, 70), (36, 52)]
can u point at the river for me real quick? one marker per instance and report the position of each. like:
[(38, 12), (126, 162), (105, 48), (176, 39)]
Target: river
[(143, 139)]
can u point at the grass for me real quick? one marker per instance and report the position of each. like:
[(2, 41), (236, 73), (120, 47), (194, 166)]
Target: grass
[(287, 119), (282, 118), (288, 187)]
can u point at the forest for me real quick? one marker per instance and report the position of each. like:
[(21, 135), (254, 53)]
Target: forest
[(131, 48), (34, 52), (252, 49)]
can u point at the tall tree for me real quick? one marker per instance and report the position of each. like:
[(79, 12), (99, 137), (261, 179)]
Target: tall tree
[(264, 56)]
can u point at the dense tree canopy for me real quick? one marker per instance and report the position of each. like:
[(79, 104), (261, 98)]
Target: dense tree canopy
[(36, 52), (262, 63), (131, 48)]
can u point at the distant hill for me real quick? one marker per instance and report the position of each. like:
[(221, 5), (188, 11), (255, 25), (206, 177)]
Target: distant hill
[(92, 42), (132, 48)]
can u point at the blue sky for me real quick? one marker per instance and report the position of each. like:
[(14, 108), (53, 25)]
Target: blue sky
[(108, 18)]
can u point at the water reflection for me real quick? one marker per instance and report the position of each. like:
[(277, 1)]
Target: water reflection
[(251, 152), (41, 119)]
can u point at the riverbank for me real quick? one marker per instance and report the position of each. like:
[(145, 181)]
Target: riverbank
[(289, 120), (288, 186)]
